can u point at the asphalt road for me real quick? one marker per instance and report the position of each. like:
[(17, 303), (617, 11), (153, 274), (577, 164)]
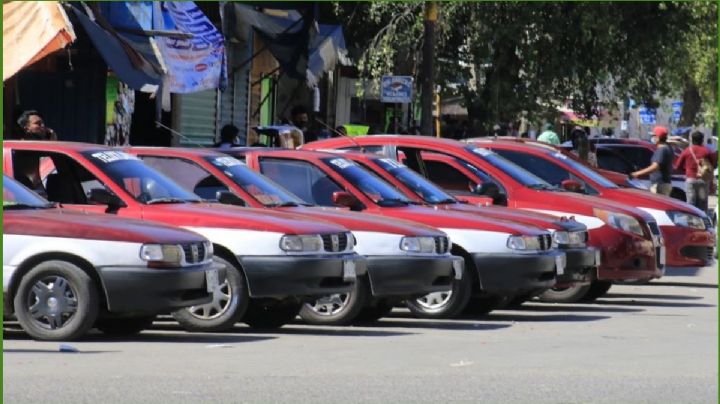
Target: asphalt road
[(639, 344)]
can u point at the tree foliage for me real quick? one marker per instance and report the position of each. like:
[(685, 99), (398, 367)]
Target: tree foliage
[(504, 58)]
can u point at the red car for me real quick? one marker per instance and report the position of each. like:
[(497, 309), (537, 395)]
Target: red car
[(394, 273), (629, 238), (275, 261), (502, 258), (569, 236), (65, 272), (687, 231)]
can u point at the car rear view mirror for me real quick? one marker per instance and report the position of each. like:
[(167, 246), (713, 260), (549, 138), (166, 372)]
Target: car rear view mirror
[(229, 198), (571, 185), (342, 198), (102, 196)]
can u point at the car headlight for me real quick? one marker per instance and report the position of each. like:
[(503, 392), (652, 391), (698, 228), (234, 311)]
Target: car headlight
[(303, 243), (686, 219), (418, 244), (620, 221), (570, 238), (161, 255), (523, 243)]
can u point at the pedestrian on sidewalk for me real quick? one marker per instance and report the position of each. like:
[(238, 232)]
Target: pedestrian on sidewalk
[(660, 166), (698, 163)]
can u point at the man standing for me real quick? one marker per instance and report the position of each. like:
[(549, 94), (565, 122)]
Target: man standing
[(33, 127), (548, 136), (698, 163), (660, 166), (300, 117)]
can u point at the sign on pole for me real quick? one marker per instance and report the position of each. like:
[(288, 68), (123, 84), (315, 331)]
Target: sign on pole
[(647, 115), (396, 89)]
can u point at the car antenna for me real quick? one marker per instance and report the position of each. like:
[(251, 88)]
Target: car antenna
[(362, 149)]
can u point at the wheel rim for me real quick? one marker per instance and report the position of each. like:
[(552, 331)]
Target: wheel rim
[(52, 302), (222, 299), (330, 305), (434, 301)]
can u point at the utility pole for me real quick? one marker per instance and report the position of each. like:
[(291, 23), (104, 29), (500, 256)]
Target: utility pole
[(427, 71)]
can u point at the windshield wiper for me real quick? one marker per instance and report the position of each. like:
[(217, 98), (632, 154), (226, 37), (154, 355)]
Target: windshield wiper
[(543, 187), (448, 201), (286, 205), (20, 206), (169, 200), (394, 201)]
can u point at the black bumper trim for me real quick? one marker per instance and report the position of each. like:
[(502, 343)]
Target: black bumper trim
[(580, 265), (150, 290), (408, 275), (284, 276), (510, 274)]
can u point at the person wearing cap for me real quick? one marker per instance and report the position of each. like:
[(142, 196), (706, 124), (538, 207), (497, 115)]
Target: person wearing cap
[(660, 165), (548, 136)]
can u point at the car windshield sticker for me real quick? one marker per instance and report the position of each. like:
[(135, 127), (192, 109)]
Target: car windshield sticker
[(342, 163), (113, 156), (392, 163), (483, 152), (227, 162)]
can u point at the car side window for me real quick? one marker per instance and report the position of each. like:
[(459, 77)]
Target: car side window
[(607, 160), (547, 170), (187, 174), (302, 178), (446, 176)]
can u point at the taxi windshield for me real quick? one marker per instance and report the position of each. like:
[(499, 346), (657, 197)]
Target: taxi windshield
[(425, 189), (369, 184), (16, 196), (518, 173), (592, 174), (143, 183), (263, 189)]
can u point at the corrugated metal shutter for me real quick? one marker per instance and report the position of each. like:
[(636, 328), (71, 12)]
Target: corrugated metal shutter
[(198, 118), (234, 100)]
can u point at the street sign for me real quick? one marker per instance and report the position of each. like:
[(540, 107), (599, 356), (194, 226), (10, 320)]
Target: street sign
[(677, 108), (396, 89), (647, 115)]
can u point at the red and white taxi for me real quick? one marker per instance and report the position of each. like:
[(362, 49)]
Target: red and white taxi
[(275, 260), (63, 270)]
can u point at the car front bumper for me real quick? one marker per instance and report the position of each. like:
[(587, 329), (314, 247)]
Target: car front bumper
[(301, 275), (155, 290), (412, 275), (626, 256), (688, 247), (581, 266), (512, 274)]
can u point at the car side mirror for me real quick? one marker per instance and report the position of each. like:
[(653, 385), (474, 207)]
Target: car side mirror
[(229, 198), (342, 198), (571, 185), (102, 196), (490, 190)]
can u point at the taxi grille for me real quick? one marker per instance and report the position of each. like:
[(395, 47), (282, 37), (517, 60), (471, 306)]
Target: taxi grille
[(545, 241), (335, 242), (194, 252), (708, 223), (442, 245)]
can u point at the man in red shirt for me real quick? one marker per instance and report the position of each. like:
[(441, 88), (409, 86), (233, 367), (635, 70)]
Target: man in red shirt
[(696, 187)]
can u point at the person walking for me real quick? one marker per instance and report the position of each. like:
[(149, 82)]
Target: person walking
[(548, 135), (33, 127), (660, 165), (698, 163)]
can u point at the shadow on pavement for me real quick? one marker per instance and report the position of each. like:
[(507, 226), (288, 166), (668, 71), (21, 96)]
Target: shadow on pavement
[(294, 328), (650, 296), (412, 322), (649, 303), (574, 307), (51, 351), (685, 284), (497, 316)]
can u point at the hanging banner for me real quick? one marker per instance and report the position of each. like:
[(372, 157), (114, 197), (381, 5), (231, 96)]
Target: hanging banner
[(193, 64)]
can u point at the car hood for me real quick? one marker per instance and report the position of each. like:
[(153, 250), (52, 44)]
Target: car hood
[(364, 221), (538, 219), (646, 199), (67, 223), (570, 203), (226, 216)]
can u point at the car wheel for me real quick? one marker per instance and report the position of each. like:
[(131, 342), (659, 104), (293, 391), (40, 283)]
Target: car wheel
[(56, 300), (124, 326), (447, 304), (597, 289), (229, 303), (270, 315), (571, 294), (374, 313), (338, 308)]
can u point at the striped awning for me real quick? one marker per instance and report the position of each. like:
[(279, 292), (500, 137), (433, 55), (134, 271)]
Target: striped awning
[(31, 31)]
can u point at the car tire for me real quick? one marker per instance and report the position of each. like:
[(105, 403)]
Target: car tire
[(597, 289), (124, 326), (448, 304), (374, 313), (55, 301), (229, 304), (270, 315), (571, 294), (338, 309)]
